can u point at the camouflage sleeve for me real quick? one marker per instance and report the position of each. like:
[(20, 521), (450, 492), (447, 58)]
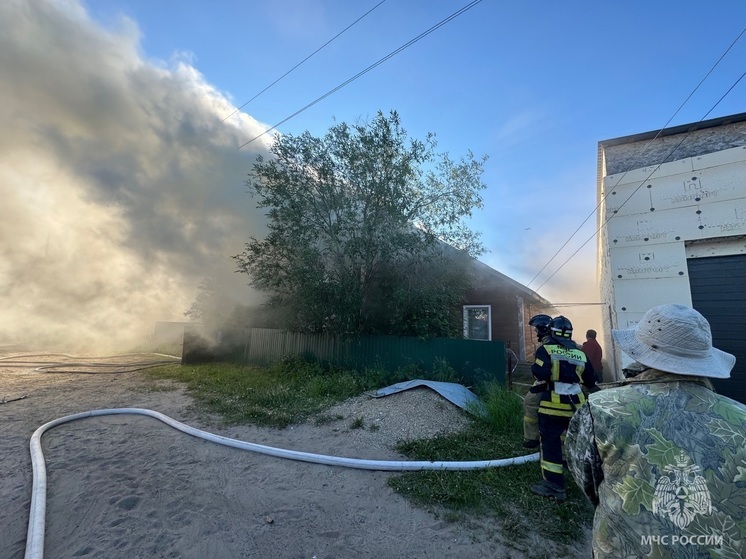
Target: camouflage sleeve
[(583, 459)]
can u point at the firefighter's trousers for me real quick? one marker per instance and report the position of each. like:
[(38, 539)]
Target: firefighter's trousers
[(531, 416)]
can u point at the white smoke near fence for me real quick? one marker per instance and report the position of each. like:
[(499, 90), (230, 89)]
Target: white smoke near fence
[(120, 186)]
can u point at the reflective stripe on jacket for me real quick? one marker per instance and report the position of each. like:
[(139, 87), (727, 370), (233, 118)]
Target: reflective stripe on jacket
[(560, 365)]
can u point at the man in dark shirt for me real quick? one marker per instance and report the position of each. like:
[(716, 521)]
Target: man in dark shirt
[(593, 351)]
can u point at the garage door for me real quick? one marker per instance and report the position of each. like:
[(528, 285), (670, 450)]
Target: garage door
[(718, 286)]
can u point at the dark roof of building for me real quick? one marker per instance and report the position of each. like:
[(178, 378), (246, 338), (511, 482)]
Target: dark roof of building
[(488, 277), (673, 130)]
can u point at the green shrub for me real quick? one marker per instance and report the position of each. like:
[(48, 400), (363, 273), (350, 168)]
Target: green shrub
[(504, 409), (443, 372)]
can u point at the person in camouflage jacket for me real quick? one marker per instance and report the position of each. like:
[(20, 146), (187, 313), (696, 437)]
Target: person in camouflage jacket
[(663, 457)]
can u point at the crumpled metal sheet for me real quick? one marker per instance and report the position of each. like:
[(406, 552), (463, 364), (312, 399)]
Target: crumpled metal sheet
[(455, 393)]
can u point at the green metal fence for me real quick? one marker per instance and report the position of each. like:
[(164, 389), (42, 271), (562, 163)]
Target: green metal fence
[(473, 360)]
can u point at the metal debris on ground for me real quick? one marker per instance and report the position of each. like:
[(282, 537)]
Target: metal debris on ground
[(455, 393)]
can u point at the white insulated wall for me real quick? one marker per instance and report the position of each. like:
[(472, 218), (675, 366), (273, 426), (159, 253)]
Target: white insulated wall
[(650, 214)]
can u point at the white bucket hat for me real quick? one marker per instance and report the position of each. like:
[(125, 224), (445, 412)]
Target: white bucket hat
[(675, 339)]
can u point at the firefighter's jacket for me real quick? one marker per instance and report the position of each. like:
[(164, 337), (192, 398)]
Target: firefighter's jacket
[(564, 369), (664, 461)]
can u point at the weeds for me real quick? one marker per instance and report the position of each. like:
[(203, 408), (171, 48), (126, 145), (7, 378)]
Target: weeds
[(324, 419), (501, 492), (277, 396), (294, 389)]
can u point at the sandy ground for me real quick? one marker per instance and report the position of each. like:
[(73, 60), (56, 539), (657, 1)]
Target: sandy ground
[(130, 486)]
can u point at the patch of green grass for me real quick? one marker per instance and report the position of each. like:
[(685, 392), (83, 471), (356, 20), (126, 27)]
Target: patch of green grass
[(503, 492), (288, 392), (278, 396), (293, 390), (504, 409)]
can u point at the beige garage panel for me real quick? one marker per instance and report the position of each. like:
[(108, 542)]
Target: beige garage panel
[(722, 157), (665, 192), (665, 260), (649, 229), (637, 296)]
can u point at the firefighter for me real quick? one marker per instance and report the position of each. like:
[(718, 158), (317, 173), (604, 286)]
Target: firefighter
[(540, 324), (560, 363)]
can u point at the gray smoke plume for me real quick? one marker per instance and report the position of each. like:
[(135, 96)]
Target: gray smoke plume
[(120, 186)]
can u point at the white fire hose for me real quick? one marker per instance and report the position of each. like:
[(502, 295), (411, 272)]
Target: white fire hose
[(35, 534)]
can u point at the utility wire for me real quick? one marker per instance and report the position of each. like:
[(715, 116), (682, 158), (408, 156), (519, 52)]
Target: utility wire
[(644, 149), (304, 60), (676, 147), (368, 69), (578, 304)]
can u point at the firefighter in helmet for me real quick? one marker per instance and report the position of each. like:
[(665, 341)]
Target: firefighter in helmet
[(540, 324), (562, 365)]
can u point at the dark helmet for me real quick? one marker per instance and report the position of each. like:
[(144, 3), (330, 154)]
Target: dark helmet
[(541, 322), (633, 369), (561, 328)]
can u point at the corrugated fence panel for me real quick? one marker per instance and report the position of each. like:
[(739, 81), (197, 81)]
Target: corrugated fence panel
[(266, 346), (473, 360)]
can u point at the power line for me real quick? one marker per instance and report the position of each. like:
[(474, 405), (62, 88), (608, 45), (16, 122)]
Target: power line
[(578, 304), (676, 147), (644, 149), (368, 69), (304, 60)]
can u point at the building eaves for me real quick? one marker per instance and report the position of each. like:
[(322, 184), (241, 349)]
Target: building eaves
[(673, 130), (486, 270), (662, 133)]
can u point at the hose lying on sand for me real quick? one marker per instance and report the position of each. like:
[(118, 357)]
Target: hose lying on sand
[(35, 534), (99, 368)]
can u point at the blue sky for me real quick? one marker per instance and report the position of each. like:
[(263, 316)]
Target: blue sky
[(532, 85)]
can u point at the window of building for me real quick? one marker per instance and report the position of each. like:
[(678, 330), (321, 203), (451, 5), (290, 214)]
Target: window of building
[(478, 322)]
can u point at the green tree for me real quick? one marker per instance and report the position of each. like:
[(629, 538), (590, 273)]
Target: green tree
[(204, 301), (214, 310), (366, 230)]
